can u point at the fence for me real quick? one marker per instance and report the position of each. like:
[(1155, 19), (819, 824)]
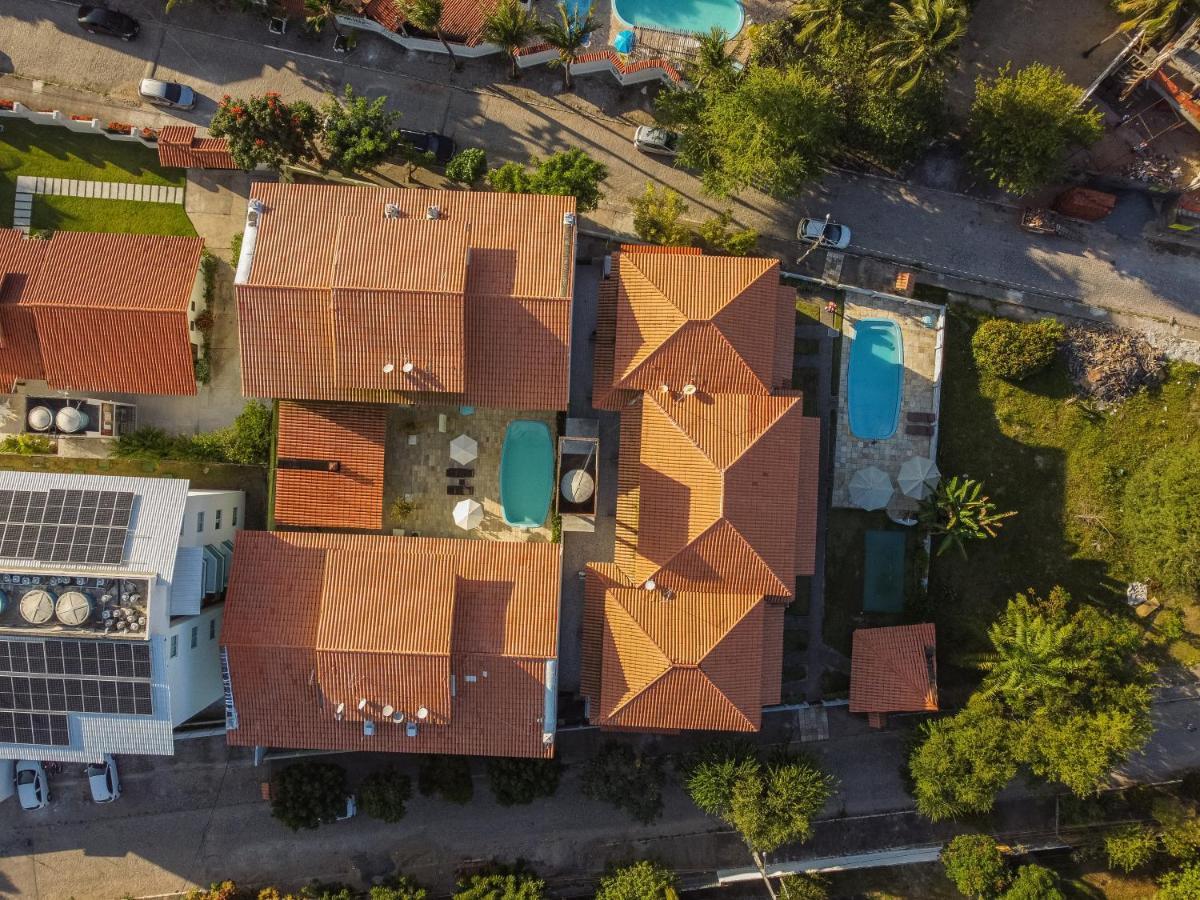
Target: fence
[(15, 109)]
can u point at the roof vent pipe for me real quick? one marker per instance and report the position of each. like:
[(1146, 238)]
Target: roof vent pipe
[(391, 211), (434, 212)]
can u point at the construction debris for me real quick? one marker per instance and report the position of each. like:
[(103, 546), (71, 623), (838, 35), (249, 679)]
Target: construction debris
[(1108, 364), (1155, 170)]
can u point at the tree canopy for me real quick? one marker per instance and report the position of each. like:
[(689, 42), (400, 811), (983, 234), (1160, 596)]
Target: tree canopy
[(629, 779), (501, 883), (975, 864), (571, 173), (305, 794), (1034, 882), (264, 130), (1023, 124), (357, 133), (642, 880)]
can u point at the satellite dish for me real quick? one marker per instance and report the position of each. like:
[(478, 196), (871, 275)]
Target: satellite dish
[(689, 389), (388, 711), (650, 585), (407, 368), (422, 713), (362, 704), (388, 368)]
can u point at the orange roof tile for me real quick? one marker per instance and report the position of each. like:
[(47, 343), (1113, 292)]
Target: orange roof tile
[(894, 669), (461, 22), (478, 300), (466, 629), (352, 436), (692, 661), (20, 353), (179, 147)]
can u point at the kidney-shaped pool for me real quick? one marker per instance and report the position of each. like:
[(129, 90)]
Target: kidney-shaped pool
[(693, 16)]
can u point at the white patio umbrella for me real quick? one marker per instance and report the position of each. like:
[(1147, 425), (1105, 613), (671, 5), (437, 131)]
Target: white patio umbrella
[(918, 477), (870, 488), (463, 449), (467, 514)]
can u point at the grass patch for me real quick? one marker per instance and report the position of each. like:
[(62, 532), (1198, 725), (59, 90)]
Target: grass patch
[(52, 151), (117, 216), (212, 476), (1062, 466)]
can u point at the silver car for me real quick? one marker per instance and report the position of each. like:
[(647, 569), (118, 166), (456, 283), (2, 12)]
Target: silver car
[(33, 790), (823, 233), (656, 140), (103, 780), (167, 93)]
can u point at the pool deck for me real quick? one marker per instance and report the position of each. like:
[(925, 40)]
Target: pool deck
[(418, 454), (921, 392)]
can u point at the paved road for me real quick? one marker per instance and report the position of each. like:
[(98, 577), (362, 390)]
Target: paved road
[(226, 52)]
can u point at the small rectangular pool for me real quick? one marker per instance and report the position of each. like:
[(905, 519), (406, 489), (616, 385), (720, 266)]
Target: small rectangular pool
[(875, 379), (526, 473)]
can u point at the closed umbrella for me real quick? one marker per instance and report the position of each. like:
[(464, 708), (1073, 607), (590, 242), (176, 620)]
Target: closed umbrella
[(918, 477), (870, 488), (624, 41), (467, 514), (463, 449)]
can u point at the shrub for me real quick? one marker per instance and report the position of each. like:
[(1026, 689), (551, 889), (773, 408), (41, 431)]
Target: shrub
[(1162, 517), (517, 781), (501, 883), (975, 864), (401, 887), (808, 886), (1170, 624), (656, 215), (235, 250), (249, 440), (202, 369), (467, 166), (715, 235), (218, 890), (1183, 884), (1034, 883), (27, 444), (305, 794), (447, 776), (1189, 785), (642, 880), (1130, 847), (571, 173), (630, 780), (1179, 827), (384, 793), (1015, 350)]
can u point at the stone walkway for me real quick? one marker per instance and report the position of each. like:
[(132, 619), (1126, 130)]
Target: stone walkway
[(28, 185)]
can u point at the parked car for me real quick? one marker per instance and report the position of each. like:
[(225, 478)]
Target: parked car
[(441, 146), (98, 20), (167, 93), (824, 233), (103, 780), (33, 790), (656, 140)]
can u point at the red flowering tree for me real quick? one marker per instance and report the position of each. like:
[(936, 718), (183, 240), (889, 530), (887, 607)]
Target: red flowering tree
[(265, 130)]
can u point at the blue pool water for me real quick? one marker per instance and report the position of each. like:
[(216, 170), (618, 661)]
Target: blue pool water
[(875, 379), (526, 473), (682, 15)]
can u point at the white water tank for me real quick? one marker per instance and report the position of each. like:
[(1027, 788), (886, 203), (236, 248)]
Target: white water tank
[(70, 420), (37, 606), (73, 608), (40, 418)]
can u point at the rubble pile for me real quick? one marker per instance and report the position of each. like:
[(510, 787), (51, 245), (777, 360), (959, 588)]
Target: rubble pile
[(1110, 364), (1155, 170)]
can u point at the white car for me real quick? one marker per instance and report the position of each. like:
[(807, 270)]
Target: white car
[(32, 788), (824, 233), (167, 93), (103, 780), (656, 140)]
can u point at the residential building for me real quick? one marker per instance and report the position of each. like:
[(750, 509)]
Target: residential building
[(374, 642), (94, 657), (716, 493), (1174, 72), (179, 147), (100, 312), (367, 295), (892, 670)]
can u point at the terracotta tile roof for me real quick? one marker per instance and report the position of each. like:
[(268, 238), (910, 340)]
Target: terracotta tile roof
[(479, 300), (466, 629), (179, 147), (689, 662), (20, 353), (354, 437), (733, 336), (461, 22), (130, 293), (772, 652), (894, 669)]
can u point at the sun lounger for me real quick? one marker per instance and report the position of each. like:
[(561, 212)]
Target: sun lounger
[(923, 418), (456, 472), (919, 430)]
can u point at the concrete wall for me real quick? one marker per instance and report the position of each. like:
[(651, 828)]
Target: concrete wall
[(211, 503), (196, 305), (194, 673), (89, 126)]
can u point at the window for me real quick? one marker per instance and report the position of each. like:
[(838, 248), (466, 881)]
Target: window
[(212, 628), (217, 520), (195, 633), (199, 521), (174, 645), (234, 522), (193, 306)]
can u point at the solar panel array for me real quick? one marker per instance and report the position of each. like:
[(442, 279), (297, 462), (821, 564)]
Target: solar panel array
[(42, 681), (65, 526)]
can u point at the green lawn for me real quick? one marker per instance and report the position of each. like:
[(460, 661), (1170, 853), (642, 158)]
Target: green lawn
[(52, 151), (213, 476), (120, 216), (1061, 466)]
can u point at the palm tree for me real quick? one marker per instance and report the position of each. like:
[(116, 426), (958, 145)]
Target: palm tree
[(510, 25), (710, 59), (426, 15), (1032, 655), (567, 34), (959, 514), (829, 17), (319, 13), (924, 36)]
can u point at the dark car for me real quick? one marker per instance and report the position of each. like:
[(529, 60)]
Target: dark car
[(439, 145), (98, 20)]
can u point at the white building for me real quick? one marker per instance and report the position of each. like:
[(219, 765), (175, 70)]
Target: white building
[(108, 628)]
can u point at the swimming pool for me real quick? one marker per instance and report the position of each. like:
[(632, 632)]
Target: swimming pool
[(693, 16), (526, 473), (875, 379)]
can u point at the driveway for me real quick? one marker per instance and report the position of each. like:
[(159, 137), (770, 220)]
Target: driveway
[(477, 107)]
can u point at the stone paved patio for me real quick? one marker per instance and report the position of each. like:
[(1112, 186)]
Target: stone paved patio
[(417, 456), (921, 391)]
